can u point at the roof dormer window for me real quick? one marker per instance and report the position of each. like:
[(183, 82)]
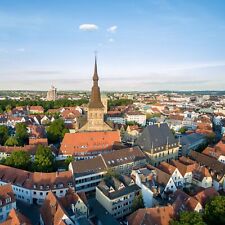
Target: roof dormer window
[(8, 200), (111, 189)]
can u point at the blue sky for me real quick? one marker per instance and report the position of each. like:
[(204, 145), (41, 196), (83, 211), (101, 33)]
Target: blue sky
[(142, 44)]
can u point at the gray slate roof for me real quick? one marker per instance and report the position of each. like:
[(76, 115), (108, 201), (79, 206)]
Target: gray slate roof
[(157, 135), (191, 138)]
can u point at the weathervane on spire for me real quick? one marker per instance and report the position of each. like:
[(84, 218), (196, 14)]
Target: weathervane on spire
[(96, 53)]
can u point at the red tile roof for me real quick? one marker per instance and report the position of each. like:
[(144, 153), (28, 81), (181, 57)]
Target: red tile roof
[(167, 168), (51, 211), (38, 141), (70, 114), (5, 193), (183, 168), (30, 149), (183, 202), (204, 195), (36, 180), (16, 218), (88, 142), (37, 131), (152, 216), (37, 108)]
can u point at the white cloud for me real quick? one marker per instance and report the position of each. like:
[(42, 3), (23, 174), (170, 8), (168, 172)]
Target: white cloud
[(111, 40), (88, 27), (112, 29)]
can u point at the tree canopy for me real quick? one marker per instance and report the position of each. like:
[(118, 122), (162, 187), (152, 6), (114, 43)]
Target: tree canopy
[(138, 202), (189, 218), (4, 134), (215, 211), (11, 141), (183, 130), (119, 102), (21, 133), (44, 160), (19, 159), (213, 214), (68, 160), (8, 104), (56, 131)]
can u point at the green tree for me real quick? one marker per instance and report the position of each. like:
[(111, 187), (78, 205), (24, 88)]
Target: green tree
[(21, 133), (111, 173), (152, 115), (11, 141), (8, 108), (8, 104), (19, 159), (189, 218), (173, 131), (138, 202), (211, 138), (120, 102), (131, 123), (44, 160), (4, 134), (215, 211), (122, 132), (68, 160), (183, 130), (56, 131)]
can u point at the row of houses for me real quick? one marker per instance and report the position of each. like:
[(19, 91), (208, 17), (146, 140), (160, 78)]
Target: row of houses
[(126, 116), (70, 209), (180, 202), (33, 187)]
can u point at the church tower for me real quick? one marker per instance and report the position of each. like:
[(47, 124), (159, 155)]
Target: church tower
[(95, 114)]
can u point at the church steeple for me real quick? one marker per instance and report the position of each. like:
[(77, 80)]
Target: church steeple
[(95, 76), (95, 101)]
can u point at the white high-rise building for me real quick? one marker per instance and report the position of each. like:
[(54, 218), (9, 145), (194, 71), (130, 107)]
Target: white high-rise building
[(52, 94)]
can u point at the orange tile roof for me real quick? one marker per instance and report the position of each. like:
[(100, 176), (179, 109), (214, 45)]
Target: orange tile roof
[(183, 201), (41, 180), (221, 147), (176, 117), (30, 149), (37, 108), (204, 195), (71, 197), (88, 142), (152, 216), (212, 152), (6, 192), (186, 160), (36, 131), (200, 172), (167, 168), (183, 168), (70, 114), (38, 141), (51, 211), (116, 112), (16, 218)]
